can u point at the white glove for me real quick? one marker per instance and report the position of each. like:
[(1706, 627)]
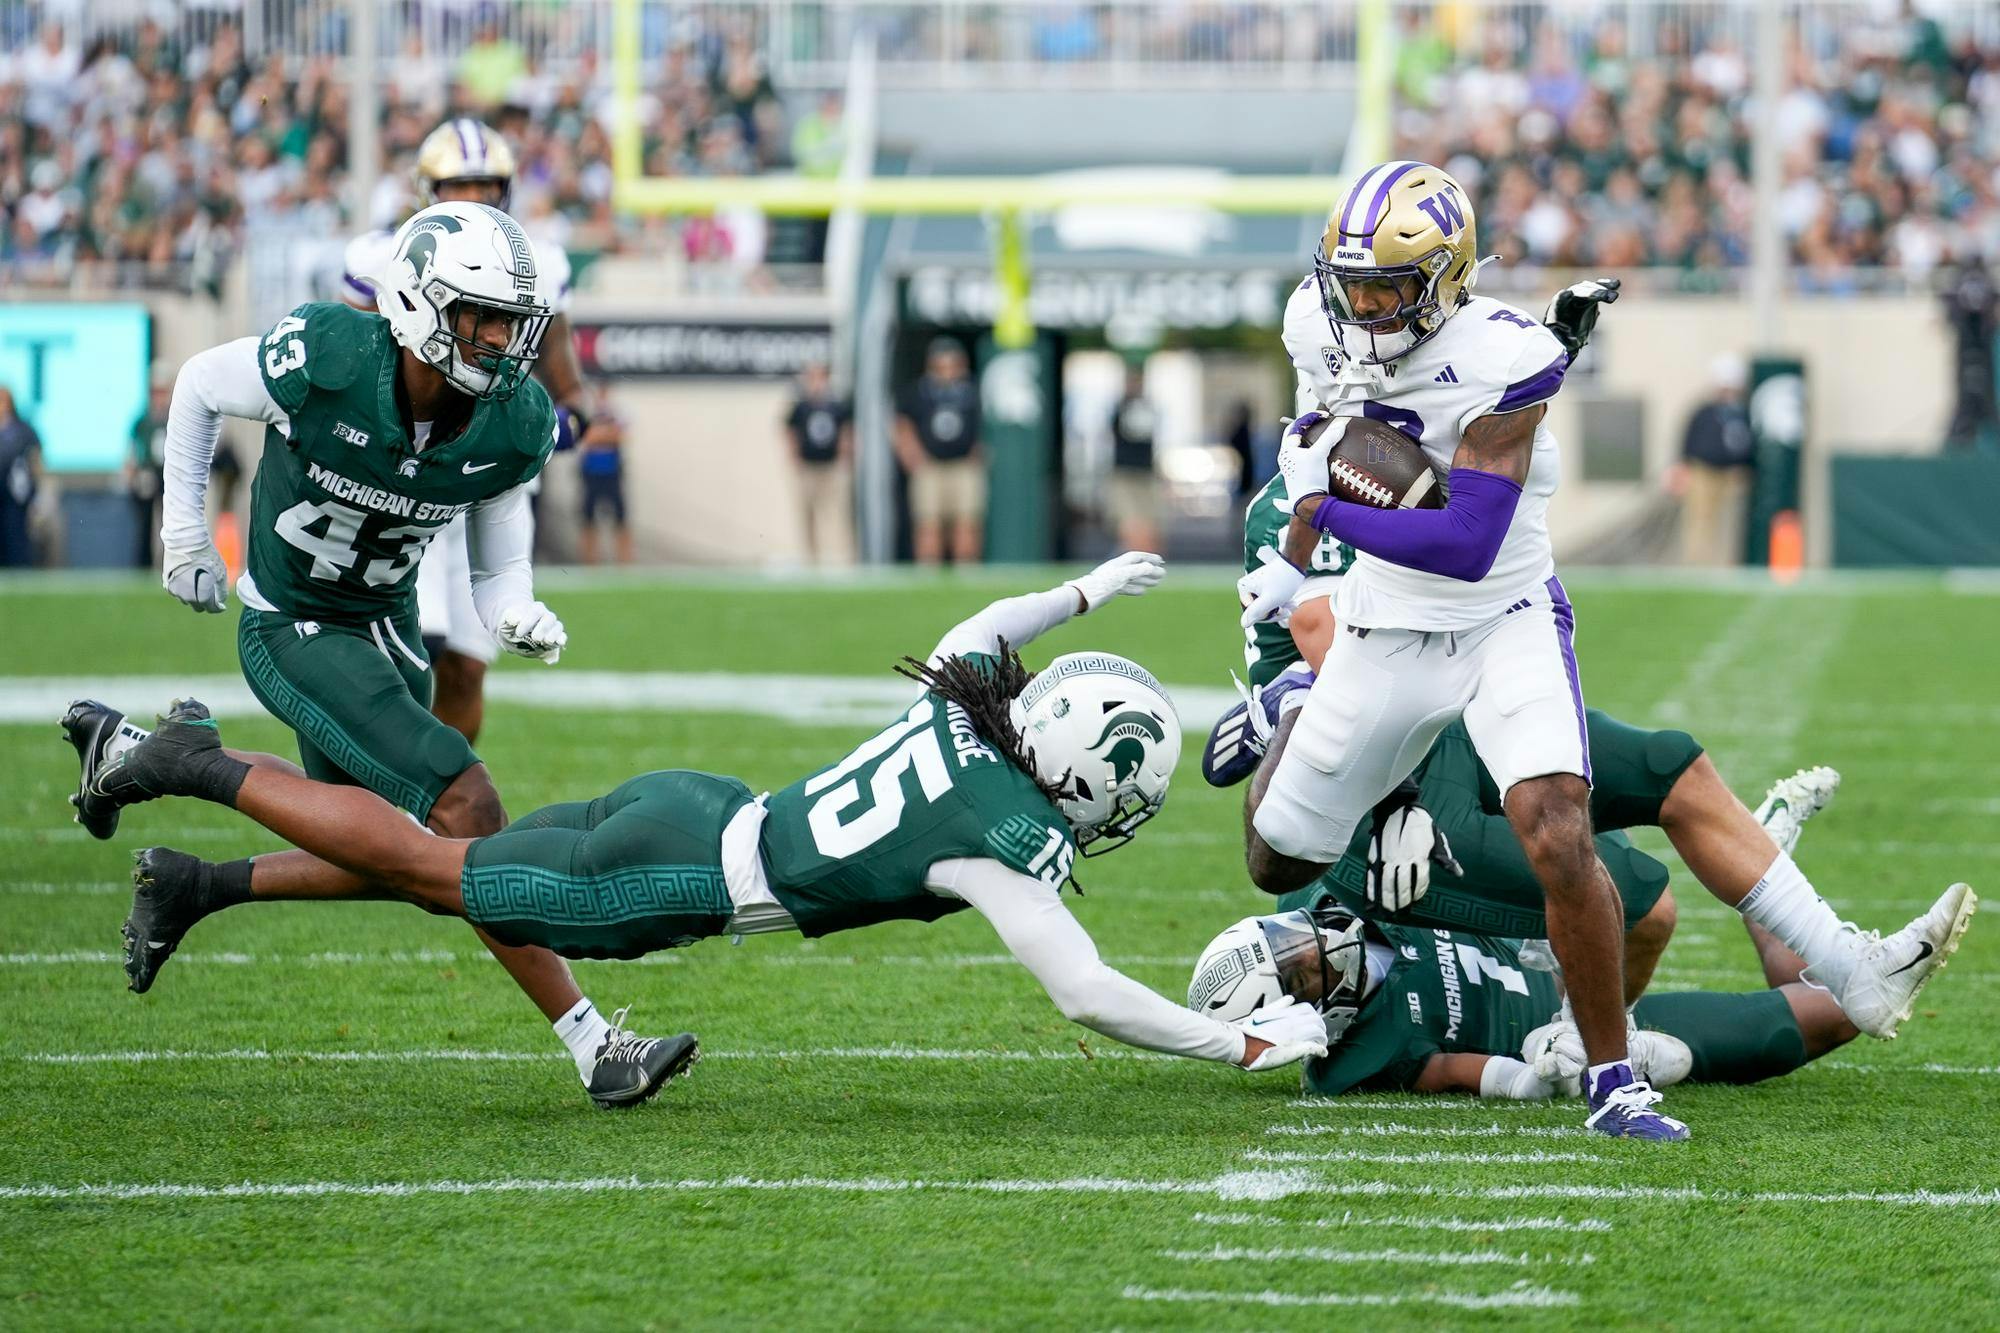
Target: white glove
[(1302, 465), (198, 578), (1294, 1030), (532, 630), (1268, 590), (1400, 852), (1125, 575)]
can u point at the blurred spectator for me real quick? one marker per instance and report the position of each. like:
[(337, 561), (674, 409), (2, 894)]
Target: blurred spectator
[(1242, 441), (1133, 499), (145, 461), (819, 140), (820, 425), (1973, 311), (20, 464), (601, 463), (491, 67), (937, 442), (1717, 454)]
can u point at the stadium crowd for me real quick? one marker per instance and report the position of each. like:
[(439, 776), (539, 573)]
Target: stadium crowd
[(1585, 143), (1582, 153), (157, 152)]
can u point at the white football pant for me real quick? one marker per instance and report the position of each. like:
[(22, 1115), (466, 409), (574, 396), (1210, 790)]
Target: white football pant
[(1383, 695)]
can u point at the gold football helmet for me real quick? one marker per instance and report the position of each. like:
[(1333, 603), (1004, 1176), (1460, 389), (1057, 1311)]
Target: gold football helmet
[(465, 151), (1397, 259)]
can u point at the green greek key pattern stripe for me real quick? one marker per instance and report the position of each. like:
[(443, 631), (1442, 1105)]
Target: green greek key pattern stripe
[(317, 725), (1018, 839), (631, 893)]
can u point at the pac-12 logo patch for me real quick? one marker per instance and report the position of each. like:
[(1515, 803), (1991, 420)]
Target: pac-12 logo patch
[(1332, 357)]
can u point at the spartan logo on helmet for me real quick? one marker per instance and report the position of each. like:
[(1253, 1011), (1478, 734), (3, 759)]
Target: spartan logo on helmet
[(421, 251), (1123, 741)]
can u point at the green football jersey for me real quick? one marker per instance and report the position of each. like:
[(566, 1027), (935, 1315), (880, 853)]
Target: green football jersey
[(1447, 992), (851, 844), (1267, 647), (344, 504)]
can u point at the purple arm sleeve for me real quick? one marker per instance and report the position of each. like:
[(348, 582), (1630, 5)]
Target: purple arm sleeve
[(1458, 541)]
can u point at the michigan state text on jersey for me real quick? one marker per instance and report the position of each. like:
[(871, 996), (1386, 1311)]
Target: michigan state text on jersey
[(981, 794), (1431, 1011)]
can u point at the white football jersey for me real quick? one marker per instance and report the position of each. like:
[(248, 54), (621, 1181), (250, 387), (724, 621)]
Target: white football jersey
[(1490, 357), (368, 254)]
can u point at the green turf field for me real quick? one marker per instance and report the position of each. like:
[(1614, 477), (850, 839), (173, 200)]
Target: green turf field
[(342, 1115)]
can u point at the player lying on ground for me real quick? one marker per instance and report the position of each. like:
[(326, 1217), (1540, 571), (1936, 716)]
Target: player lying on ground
[(979, 795), (1640, 778), (1449, 1011), (464, 161), (381, 431)]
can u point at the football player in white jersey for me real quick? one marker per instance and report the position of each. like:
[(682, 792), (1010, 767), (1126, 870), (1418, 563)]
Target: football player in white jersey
[(464, 160), (1446, 613)]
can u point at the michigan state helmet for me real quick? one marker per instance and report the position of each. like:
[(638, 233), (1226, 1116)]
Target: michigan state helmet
[(458, 276), (1397, 259), (466, 151), (1314, 957), (1104, 726)]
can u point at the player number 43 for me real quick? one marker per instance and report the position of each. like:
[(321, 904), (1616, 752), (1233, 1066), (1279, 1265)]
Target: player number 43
[(284, 352), (333, 550)]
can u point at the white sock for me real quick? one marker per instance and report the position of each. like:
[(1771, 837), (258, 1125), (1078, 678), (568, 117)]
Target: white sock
[(583, 1030), (123, 739), (1784, 903)]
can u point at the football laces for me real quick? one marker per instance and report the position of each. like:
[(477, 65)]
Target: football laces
[(1364, 484)]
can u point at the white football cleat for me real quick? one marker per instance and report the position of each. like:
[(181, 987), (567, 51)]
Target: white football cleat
[(1794, 800), (1880, 989)]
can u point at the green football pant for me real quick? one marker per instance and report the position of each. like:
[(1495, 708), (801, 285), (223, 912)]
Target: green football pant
[(1735, 1038), (358, 698), (1634, 769), (621, 876)]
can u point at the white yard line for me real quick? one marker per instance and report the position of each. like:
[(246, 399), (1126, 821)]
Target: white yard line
[(1262, 1186), (1368, 1106), (1408, 1222), (1393, 1130), (1226, 1254), (255, 1055), (810, 700), (669, 958), (1536, 1158), (1520, 1298)]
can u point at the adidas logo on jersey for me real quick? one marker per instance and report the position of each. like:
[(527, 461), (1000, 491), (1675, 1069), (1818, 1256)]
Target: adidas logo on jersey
[(1445, 376)]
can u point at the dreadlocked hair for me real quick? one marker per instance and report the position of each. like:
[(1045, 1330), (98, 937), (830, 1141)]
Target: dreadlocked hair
[(985, 692)]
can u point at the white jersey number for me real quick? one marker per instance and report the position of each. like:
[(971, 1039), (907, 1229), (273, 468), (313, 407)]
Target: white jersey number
[(910, 745), (333, 550)]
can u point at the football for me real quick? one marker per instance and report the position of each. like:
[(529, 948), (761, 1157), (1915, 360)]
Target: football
[(1375, 464)]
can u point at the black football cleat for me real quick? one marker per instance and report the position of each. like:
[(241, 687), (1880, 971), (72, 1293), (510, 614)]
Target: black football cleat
[(169, 762), (632, 1069), (89, 726), (167, 899)]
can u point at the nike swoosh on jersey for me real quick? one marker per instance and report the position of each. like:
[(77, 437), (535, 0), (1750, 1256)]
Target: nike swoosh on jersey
[(469, 469)]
